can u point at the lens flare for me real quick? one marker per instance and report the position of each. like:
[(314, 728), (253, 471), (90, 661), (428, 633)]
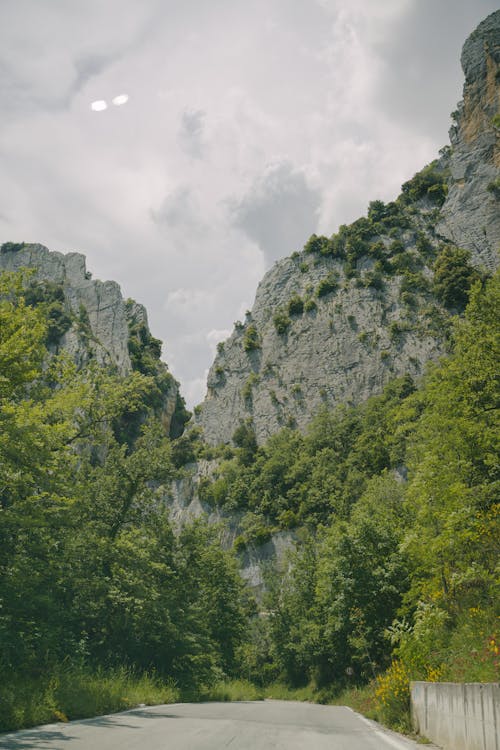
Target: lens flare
[(99, 105), (120, 99)]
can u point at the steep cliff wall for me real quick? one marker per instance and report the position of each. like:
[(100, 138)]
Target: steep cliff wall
[(92, 321), (471, 213), (335, 323)]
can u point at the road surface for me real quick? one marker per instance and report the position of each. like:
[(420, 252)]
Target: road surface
[(252, 725)]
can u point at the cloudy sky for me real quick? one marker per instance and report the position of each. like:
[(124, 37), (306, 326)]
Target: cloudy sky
[(248, 126)]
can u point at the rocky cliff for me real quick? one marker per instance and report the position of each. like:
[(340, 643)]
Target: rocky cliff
[(334, 323), (91, 321), (470, 216)]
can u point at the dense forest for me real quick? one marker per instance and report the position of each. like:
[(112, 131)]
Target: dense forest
[(394, 506)]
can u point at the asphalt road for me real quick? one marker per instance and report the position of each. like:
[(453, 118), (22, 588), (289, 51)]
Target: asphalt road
[(259, 725)]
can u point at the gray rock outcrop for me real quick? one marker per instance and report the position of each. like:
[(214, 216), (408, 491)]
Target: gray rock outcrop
[(471, 214), (343, 350), (102, 301), (344, 346), (184, 505), (100, 320)]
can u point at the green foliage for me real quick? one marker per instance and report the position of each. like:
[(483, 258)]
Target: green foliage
[(248, 385), (494, 187), (430, 183), (310, 305), (244, 439), (327, 285), (76, 692), (90, 570), (281, 321), (331, 609), (453, 277), (316, 244), (251, 338), (11, 247), (180, 416), (295, 305), (391, 580), (144, 349), (316, 475), (51, 296)]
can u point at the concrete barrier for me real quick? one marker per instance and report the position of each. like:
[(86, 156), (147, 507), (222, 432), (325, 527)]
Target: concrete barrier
[(457, 716)]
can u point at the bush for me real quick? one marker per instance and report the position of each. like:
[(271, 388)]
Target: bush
[(429, 183), (392, 695), (310, 305), (374, 280), (51, 296), (327, 285), (453, 277), (281, 322), (11, 247), (318, 245), (251, 339), (494, 187), (295, 305)]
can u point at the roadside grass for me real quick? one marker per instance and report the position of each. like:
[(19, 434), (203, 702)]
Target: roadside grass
[(78, 693), (233, 690)]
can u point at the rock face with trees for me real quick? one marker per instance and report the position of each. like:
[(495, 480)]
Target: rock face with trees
[(335, 322), (92, 323)]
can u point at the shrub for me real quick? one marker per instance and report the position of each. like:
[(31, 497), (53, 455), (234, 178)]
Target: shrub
[(453, 277), (251, 338), (413, 282), (423, 245), (250, 382), (11, 247), (51, 296), (281, 321), (494, 187), (376, 210), (429, 183), (373, 280), (310, 305), (315, 244), (327, 285), (392, 695), (295, 305)]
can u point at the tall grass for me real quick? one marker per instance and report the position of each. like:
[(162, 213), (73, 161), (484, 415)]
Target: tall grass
[(76, 693)]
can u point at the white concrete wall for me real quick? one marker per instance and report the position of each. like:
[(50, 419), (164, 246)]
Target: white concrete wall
[(457, 716)]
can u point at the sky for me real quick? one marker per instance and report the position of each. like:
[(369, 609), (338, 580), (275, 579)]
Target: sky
[(238, 130)]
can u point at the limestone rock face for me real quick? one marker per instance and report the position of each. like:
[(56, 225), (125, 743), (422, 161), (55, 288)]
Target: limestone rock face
[(100, 319), (184, 506), (343, 350), (102, 302), (471, 215), (345, 345)]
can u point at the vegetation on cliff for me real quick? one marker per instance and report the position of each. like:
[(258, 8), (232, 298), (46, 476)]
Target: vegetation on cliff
[(395, 576), (92, 576)]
